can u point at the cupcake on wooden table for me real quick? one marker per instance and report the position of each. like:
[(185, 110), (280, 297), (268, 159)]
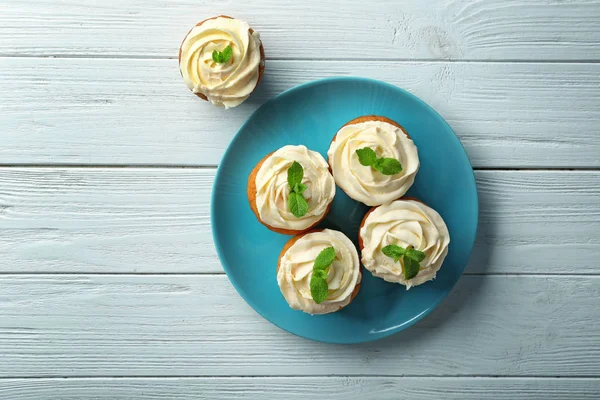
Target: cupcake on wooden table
[(373, 160), (319, 272), (291, 190), (222, 60), (403, 242)]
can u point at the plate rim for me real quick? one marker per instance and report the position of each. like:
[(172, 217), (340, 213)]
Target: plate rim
[(219, 172)]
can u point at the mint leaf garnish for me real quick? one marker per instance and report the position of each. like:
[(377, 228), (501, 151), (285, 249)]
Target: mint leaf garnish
[(411, 267), (227, 53), (410, 258), (318, 289), (415, 254), (299, 188), (366, 156), (320, 274), (221, 57), (296, 202), (385, 165), (318, 282), (324, 259), (295, 174), (393, 251)]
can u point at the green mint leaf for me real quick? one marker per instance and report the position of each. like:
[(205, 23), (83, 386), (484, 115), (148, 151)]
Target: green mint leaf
[(387, 166), (411, 267), (221, 57), (410, 258), (320, 273), (416, 255), (393, 251), (297, 205), (296, 202), (318, 289), (299, 188), (227, 53), (295, 174), (366, 156), (324, 259)]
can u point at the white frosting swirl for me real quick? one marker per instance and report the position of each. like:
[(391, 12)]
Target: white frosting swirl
[(230, 83), (404, 223), (296, 267), (272, 189), (365, 184)]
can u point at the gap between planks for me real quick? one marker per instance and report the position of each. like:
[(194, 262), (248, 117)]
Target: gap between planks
[(399, 59), (250, 377), (213, 167), (87, 273)]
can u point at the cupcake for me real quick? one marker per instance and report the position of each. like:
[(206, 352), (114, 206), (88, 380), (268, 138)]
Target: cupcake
[(403, 242), (291, 190), (222, 60), (373, 160), (319, 272)]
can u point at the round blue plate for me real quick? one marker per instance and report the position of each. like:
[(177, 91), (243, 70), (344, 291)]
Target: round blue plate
[(311, 114)]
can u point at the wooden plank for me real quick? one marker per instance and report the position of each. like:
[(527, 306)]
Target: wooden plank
[(301, 388), (89, 325), (106, 220), (140, 112), (428, 29), (83, 220)]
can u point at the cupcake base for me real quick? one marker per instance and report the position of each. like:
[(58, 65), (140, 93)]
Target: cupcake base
[(415, 281), (293, 240), (346, 179), (261, 67), (251, 192)]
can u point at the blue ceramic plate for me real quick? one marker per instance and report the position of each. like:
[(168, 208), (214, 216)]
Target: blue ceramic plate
[(311, 114)]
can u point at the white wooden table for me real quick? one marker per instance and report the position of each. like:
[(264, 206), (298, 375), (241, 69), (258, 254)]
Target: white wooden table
[(110, 287)]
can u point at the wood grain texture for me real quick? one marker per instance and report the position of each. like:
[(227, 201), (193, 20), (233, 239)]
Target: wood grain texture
[(106, 220), (427, 29), (297, 388), (89, 257), (95, 220), (70, 325), (98, 111)]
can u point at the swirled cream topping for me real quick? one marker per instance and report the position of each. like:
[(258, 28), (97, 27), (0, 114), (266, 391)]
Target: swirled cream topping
[(230, 83), (364, 183), (272, 189), (404, 223), (296, 268)]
